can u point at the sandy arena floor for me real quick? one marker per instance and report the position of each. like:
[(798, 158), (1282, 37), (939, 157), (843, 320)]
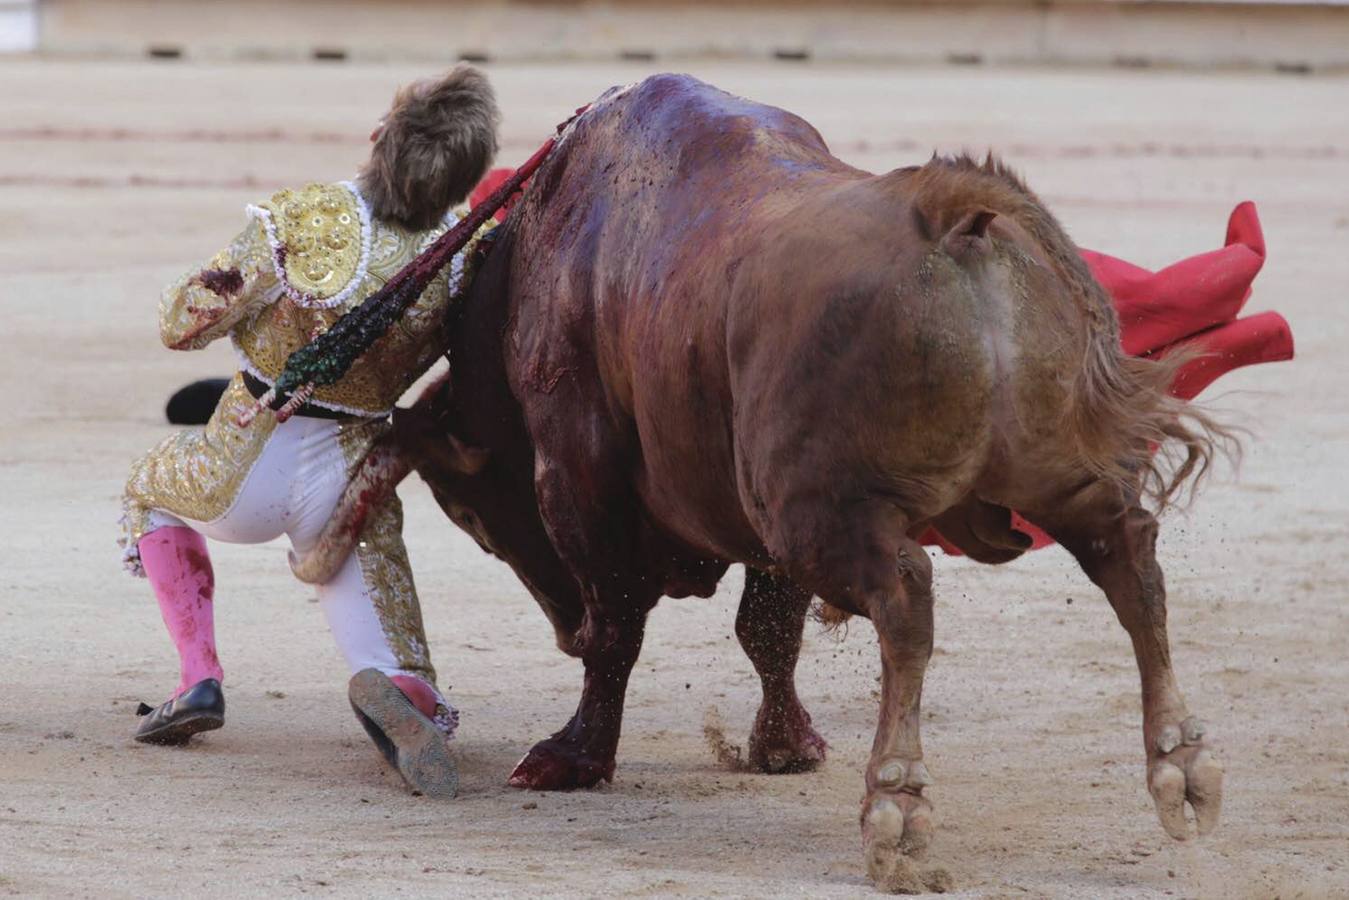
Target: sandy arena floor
[(116, 176)]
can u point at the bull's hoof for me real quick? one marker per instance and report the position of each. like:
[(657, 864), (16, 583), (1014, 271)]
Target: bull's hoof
[(553, 765), (786, 744), (896, 829), (1181, 769)]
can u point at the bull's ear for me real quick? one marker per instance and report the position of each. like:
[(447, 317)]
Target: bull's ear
[(422, 432), (460, 457)]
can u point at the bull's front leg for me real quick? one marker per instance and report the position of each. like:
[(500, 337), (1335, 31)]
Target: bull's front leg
[(769, 623), (582, 481), (584, 751)]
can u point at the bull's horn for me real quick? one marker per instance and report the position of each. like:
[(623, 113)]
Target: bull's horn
[(375, 479)]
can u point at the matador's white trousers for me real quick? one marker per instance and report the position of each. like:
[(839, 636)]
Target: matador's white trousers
[(296, 472)]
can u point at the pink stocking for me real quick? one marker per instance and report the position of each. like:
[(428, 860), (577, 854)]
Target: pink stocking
[(179, 569), (419, 692)]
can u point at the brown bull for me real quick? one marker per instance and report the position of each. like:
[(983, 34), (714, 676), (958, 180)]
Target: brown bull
[(701, 339)]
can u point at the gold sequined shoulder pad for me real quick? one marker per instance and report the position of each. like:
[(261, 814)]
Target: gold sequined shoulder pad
[(320, 237)]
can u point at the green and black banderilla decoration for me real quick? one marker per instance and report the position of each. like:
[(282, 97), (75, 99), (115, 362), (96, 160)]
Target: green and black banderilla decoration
[(328, 357)]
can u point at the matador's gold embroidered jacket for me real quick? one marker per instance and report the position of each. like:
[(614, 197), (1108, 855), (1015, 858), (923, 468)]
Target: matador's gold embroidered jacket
[(306, 257)]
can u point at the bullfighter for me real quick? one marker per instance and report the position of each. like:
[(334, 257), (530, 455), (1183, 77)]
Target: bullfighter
[(305, 257)]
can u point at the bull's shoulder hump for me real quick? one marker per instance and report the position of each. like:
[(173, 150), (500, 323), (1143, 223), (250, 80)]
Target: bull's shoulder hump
[(682, 98)]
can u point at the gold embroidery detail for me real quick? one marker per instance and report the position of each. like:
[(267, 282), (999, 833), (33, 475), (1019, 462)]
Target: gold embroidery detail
[(383, 559), (319, 227), (197, 473), (386, 370)]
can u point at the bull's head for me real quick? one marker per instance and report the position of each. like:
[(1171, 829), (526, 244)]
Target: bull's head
[(489, 493), (414, 442)]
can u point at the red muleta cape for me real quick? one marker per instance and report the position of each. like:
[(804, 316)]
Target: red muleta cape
[(1192, 303)]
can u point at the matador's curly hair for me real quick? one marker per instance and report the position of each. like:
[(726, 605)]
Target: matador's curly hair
[(436, 143)]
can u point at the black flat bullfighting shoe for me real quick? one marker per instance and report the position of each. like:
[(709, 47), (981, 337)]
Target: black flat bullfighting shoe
[(410, 742), (199, 708), (194, 403)]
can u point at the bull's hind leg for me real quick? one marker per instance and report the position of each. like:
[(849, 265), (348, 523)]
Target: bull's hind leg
[(1114, 542), (769, 624), (866, 563)]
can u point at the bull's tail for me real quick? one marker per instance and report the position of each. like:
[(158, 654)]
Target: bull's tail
[(1126, 426), (1129, 428)]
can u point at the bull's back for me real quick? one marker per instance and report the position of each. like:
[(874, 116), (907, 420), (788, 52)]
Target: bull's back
[(664, 193)]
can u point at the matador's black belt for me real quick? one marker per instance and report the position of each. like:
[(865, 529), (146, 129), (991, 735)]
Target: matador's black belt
[(257, 387)]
